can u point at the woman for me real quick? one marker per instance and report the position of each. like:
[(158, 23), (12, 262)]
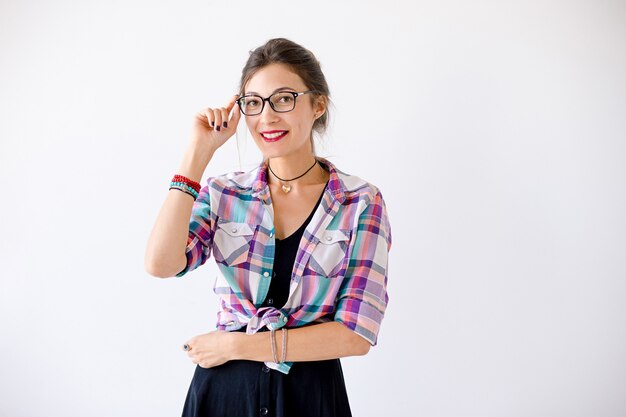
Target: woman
[(302, 248)]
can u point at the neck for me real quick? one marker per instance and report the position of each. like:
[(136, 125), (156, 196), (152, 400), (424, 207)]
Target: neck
[(291, 166)]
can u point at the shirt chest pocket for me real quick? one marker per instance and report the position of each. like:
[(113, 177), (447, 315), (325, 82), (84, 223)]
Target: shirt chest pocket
[(328, 257), (231, 243)]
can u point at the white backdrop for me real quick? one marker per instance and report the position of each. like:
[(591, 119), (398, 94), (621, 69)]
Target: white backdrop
[(495, 130)]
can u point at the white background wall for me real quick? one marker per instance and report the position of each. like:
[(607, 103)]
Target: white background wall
[(495, 130)]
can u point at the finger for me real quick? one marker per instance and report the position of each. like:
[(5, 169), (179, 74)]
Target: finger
[(234, 118), (231, 102), (208, 113), (224, 117), (217, 114)]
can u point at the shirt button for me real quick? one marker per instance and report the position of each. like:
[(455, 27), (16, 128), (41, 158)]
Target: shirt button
[(270, 301), (285, 319), (329, 238), (234, 229), (271, 234), (266, 369), (264, 411), (266, 274)]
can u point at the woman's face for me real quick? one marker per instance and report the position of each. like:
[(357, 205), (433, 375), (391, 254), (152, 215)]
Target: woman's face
[(297, 123)]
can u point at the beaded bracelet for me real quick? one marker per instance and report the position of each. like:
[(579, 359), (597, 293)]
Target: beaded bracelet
[(184, 186), (184, 180)]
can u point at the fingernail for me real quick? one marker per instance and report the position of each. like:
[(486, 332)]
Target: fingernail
[(218, 128), (213, 123), (225, 124)]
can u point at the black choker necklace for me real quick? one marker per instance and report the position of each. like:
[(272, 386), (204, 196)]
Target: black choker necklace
[(286, 187)]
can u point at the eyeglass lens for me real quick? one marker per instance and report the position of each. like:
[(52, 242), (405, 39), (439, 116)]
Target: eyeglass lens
[(281, 102)]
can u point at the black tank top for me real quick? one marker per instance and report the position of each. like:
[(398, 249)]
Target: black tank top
[(284, 258)]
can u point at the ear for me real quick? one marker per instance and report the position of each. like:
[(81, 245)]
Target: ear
[(320, 106)]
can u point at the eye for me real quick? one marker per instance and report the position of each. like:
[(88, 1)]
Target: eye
[(251, 102)]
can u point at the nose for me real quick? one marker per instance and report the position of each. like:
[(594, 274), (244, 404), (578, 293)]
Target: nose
[(268, 114)]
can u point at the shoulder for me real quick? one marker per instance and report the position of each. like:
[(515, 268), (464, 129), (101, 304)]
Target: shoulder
[(364, 200), (357, 188), (235, 180)]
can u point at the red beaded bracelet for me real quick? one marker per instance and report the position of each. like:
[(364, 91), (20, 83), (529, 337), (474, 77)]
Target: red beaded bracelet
[(193, 184)]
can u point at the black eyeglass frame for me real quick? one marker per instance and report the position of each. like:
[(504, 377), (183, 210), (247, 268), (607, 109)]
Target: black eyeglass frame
[(263, 100)]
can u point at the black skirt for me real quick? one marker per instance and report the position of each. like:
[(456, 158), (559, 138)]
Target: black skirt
[(242, 388)]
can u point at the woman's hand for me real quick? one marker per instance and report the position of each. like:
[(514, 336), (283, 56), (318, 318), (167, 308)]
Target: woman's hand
[(211, 349), (212, 127)]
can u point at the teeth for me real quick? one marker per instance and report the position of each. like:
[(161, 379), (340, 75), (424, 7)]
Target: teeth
[(272, 135)]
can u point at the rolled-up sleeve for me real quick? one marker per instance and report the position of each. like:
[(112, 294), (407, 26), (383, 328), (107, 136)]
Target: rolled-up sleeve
[(200, 238), (362, 298)]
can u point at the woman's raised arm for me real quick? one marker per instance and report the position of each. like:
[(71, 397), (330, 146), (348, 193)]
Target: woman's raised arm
[(165, 251)]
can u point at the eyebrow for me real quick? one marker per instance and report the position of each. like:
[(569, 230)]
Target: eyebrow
[(278, 89)]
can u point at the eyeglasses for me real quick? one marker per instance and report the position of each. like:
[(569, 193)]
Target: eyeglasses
[(280, 101)]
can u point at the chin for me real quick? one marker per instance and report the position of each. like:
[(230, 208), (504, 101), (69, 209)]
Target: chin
[(268, 155), (273, 150)]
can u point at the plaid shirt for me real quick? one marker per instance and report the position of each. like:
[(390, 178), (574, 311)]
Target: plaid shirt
[(340, 270)]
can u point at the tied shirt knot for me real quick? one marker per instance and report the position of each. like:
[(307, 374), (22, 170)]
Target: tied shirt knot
[(269, 317)]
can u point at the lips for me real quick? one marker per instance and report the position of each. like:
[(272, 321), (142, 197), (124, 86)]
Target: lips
[(273, 135)]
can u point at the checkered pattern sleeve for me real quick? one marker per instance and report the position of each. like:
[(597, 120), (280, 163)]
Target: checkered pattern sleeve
[(362, 298), (200, 238)]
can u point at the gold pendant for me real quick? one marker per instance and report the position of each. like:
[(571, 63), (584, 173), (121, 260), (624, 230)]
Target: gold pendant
[(286, 187)]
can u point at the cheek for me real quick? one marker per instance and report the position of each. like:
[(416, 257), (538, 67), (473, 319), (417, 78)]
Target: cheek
[(251, 126), (297, 123), (302, 126)]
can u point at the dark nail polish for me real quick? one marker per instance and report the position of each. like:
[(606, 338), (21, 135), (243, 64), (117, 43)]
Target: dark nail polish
[(213, 123), (218, 128), (225, 124)]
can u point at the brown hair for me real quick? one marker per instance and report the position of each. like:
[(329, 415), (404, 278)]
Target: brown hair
[(301, 61)]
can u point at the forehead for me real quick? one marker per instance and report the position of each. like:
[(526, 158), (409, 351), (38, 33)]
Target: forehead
[(266, 80)]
